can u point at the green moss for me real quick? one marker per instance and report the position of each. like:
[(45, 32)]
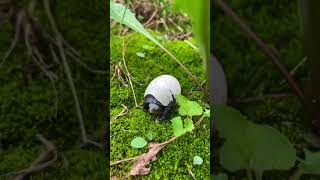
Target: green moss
[(173, 160), (29, 109)]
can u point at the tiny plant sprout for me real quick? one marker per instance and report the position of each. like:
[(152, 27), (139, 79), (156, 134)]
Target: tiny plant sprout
[(150, 135), (138, 142), (197, 160), (140, 54)]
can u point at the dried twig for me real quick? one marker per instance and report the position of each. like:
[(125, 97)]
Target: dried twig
[(294, 70), (59, 39), (262, 97), (123, 160), (43, 161), (125, 66), (122, 113)]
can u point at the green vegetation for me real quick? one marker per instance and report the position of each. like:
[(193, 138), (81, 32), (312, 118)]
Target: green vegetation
[(251, 74), (173, 160), (27, 109)]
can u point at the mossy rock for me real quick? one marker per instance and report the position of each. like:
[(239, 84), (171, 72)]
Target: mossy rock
[(174, 159)]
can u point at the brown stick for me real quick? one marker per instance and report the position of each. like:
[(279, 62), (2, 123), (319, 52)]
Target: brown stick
[(265, 48), (261, 97), (42, 162)]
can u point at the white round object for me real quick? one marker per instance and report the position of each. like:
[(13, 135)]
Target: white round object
[(163, 88)]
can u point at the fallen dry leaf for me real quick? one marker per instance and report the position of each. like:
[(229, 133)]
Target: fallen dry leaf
[(139, 166), (114, 178)]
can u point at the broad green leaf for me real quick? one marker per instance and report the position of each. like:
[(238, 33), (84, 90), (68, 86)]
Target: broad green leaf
[(230, 123), (221, 176), (188, 123), (197, 160), (232, 157), (150, 135), (138, 142), (140, 54), (181, 100), (272, 150), (147, 47), (199, 12), (311, 165), (206, 113), (190, 108), (177, 126), (261, 148)]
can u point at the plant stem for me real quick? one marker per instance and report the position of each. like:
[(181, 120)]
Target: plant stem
[(264, 47), (125, 66)]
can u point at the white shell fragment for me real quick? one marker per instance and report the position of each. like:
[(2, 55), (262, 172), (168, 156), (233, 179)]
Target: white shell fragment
[(219, 83), (163, 87)]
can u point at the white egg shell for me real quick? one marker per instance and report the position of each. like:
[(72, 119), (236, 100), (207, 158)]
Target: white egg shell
[(163, 87)]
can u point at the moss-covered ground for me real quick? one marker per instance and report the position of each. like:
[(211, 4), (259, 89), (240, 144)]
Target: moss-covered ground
[(173, 161), (250, 73), (27, 109)]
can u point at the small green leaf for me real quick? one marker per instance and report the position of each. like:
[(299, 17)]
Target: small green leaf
[(177, 125), (188, 123), (181, 100), (311, 165), (150, 135), (140, 54), (206, 113), (197, 160), (147, 47), (188, 108), (194, 109), (138, 142)]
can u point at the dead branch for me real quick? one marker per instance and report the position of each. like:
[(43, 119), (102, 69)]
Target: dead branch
[(124, 63), (59, 39), (262, 97), (263, 46), (44, 160)]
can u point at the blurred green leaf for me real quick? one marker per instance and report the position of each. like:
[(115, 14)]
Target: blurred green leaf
[(311, 165), (150, 135), (197, 160), (138, 142), (140, 54), (251, 146), (177, 125), (188, 123), (199, 12)]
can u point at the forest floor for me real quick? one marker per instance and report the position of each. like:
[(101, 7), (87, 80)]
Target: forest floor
[(176, 159), (29, 108)]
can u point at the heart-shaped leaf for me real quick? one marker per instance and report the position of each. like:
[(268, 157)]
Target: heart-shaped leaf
[(190, 108), (177, 125), (150, 135), (251, 146), (311, 165), (138, 142), (197, 160), (188, 123), (181, 100)]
